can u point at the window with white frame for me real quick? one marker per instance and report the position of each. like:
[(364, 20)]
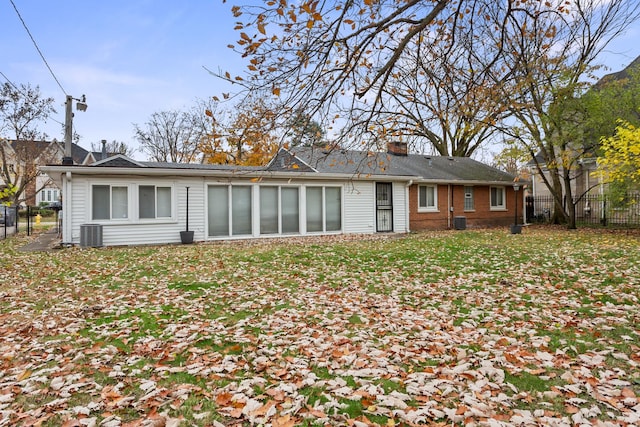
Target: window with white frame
[(469, 203), (269, 210), (154, 202), (279, 210), (290, 208), (240, 210), (48, 195), (218, 210), (427, 198), (109, 202), (324, 209), (497, 198), (333, 208), (229, 210)]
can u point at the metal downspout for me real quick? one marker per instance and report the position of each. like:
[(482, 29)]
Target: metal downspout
[(67, 237), (449, 205), (407, 207)]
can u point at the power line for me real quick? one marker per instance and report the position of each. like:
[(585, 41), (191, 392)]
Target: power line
[(37, 48), (26, 97)]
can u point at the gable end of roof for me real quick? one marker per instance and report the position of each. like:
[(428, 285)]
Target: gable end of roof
[(118, 160), (286, 161)]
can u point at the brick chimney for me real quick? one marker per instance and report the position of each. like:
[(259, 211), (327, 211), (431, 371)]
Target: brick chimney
[(397, 148)]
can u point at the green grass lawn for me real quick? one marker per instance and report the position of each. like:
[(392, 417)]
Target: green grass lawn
[(432, 328)]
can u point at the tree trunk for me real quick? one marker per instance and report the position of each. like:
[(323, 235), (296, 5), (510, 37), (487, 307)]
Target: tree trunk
[(570, 207), (559, 214)]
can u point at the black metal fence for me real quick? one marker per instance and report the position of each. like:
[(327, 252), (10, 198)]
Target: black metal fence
[(590, 209), (13, 220)]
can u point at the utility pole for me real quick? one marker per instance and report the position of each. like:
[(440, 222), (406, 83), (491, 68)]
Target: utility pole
[(67, 160), (68, 125), (68, 131)]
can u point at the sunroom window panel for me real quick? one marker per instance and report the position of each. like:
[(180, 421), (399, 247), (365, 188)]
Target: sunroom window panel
[(120, 203), (333, 207), (314, 209), (268, 210), (164, 202), (218, 210), (101, 202), (147, 201), (290, 210), (241, 210)]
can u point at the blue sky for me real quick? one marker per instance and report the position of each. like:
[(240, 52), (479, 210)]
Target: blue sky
[(130, 58), (136, 57)]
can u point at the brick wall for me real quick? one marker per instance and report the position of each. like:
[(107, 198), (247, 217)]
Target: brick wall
[(482, 216)]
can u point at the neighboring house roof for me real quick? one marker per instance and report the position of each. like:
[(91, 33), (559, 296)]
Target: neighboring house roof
[(604, 81), (120, 160), (96, 156), (78, 154), (618, 75), (538, 159), (38, 147)]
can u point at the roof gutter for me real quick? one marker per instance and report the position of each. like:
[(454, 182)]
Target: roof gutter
[(121, 171), (260, 174), (462, 182)]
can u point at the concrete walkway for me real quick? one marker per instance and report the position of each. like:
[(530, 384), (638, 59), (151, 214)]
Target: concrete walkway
[(45, 241)]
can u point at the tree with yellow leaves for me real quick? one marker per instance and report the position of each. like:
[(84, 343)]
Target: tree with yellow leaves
[(620, 155), (6, 193), (246, 137), (551, 50)]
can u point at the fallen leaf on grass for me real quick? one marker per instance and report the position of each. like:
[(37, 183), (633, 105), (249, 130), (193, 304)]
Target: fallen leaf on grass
[(284, 421), (627, 392), (24, 375)]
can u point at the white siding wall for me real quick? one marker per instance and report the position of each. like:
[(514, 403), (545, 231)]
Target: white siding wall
[(137, 232), (80, 206), (358, 208), (400, 206)]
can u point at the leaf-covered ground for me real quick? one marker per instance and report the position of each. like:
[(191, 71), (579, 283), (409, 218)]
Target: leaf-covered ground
[(450, 328)]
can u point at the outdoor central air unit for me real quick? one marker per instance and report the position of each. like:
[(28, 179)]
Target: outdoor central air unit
[(460, 222), (90, 235)]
